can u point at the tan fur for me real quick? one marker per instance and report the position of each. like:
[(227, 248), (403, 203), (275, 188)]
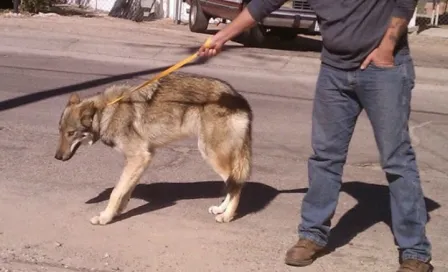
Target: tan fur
[(177, 106)]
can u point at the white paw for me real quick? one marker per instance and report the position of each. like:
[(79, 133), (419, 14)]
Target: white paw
[(101, 219), (223, 218), (216, 210)]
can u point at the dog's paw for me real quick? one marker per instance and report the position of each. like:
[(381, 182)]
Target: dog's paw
[(216, 210), (101, 219), (223, 218)]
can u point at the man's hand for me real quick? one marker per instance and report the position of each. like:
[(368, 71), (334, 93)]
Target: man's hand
[(213, 47), (380, 57), (383, 55), (243, 21)]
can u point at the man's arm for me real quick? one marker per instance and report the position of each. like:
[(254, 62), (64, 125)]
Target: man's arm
[(254, 12), (259, 9), (383, 55), (401, 15)]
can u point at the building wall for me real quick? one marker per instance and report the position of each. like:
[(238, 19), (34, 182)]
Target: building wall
[(163, 8)]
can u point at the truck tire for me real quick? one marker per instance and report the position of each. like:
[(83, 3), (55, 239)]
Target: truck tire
[(254, 36), (286, 34), (197, 20)]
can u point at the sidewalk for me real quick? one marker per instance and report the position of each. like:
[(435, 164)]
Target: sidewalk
[(436, 32), (165, 43), (116, 40)]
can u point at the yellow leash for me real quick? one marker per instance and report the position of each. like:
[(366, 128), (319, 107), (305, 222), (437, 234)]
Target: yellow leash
[(163, 73)]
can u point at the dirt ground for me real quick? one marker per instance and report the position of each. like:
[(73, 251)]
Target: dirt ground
[(45, 205)]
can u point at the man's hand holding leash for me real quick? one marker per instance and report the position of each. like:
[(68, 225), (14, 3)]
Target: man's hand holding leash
[(216, 42)]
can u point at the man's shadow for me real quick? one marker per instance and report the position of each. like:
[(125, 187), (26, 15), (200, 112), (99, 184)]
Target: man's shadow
[(373, 207), (373, 203)]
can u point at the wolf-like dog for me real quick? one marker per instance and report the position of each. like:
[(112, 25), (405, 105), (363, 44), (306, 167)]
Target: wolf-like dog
[(174, 107)]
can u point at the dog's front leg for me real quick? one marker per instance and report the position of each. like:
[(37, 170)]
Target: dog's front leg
[(135, 166)]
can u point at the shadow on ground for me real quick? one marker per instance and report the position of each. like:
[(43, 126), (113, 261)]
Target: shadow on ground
[(72, 10), (300, 43), (255, 196), (424, 23), (6, 5), (42, 95), (372, 207)]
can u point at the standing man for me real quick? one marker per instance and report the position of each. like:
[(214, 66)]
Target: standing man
[(365, 64)]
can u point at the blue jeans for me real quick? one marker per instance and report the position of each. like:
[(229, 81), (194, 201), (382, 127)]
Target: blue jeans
[(385, 94)]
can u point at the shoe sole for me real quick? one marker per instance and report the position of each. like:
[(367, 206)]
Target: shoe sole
[(301, 263)]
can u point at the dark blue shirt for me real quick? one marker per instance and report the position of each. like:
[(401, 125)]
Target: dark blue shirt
[(350, 29)]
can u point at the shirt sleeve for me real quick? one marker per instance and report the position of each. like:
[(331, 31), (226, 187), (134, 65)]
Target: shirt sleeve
[(259, 9), (404, 9)]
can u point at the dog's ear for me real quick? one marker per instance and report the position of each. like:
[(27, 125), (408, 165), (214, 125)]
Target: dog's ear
[(74, 99), (87, 112)]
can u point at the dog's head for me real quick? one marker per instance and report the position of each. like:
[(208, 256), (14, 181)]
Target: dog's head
[(75, 127)]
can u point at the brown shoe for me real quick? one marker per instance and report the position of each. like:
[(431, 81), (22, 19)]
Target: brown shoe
[(415, 266), (303, 253)]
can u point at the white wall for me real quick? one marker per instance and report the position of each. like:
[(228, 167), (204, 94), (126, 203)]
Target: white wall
[(184, 14), (103, 5), (169, 9), (164, 8), (412, 22)]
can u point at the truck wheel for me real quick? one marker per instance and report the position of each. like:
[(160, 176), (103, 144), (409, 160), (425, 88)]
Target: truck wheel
[(256, 36), (197, 20), (286, 34)]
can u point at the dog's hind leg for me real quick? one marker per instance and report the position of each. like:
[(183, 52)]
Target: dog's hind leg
[(135, 166), (219, 169), (221, 208), (228, 151), (222, 163), (224, 171)]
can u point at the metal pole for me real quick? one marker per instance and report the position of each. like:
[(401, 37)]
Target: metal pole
[(175, 11), (412, 22), (16, 6), (436, 21), (179, 11), (433, 12)]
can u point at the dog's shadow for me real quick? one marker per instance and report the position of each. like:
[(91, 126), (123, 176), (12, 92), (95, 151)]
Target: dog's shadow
[(254, 197), (373, 203)]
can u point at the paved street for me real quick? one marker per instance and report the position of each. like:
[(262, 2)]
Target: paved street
[(45, 204)]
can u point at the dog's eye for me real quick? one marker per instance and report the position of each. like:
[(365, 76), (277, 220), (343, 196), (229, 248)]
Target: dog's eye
[(71, 133)]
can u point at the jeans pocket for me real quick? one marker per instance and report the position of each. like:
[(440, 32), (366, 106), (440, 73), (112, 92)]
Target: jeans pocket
[(378, 67)]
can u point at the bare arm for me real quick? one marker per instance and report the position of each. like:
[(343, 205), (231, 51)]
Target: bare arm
[(401, 16), (242, 21), (383, 55), (254, 12)]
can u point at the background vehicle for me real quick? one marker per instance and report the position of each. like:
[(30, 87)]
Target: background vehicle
[(294, 17)]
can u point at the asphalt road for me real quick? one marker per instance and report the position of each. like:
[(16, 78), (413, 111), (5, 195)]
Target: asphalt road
[(45, 204)]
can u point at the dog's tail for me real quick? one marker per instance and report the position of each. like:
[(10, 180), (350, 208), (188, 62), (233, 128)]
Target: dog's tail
[(242, 155)]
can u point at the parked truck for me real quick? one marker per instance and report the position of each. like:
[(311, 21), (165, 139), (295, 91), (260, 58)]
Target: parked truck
[(293, 18)]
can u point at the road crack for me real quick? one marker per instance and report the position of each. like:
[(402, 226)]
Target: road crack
[(414, 138), (53, 265)]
